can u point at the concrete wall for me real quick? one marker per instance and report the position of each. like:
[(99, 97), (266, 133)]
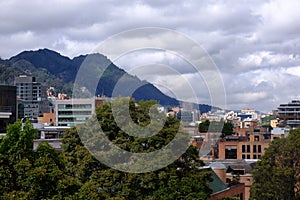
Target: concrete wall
[(55, 143)]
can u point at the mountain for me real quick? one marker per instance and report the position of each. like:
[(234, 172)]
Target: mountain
[(54, 69)]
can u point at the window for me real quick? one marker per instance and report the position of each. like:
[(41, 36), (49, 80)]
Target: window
[(243, 148), (248, 148), (243, 156), (241, 196), (256, 138), (230, 152), (254, 157), (254, 148), (259, 148), (248, 156), (259, 156)]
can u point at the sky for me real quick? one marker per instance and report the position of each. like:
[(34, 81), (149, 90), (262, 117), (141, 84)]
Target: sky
[(253, 44)]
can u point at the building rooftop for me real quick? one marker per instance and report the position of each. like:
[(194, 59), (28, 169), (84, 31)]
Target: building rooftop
[(217, 165), (234, 164), (216, 185)]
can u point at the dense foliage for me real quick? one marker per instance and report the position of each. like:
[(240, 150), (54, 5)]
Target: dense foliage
[(75, 174), (277, 175)]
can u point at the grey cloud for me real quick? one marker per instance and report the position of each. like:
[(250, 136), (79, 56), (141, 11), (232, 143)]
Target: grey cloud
[(234, 33)]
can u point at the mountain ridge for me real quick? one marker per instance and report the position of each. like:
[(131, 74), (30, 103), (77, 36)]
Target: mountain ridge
[(53, 69)]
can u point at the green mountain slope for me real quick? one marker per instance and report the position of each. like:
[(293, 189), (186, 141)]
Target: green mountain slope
[(53, 69)]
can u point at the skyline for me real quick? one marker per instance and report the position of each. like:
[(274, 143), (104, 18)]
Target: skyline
[(254, 45)]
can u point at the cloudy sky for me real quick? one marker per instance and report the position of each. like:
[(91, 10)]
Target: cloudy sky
[(255, 45)]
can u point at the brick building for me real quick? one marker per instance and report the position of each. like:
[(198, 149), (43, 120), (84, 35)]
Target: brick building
[(220, 188), (251, 146)]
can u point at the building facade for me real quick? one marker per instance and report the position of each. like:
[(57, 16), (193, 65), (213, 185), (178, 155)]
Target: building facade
[(32, 97), (289, 114), (73, 111), (8, 106), (240, 147), (220, 188)]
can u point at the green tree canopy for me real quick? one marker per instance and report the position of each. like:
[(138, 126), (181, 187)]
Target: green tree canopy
[(277, 175), (227, 128), (74, 173)]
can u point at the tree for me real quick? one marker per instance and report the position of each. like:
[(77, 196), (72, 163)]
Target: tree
[(26, 174), (17, 143), (16, 152), (43, 176), (179, 180), (75, 174), (227, 128), (277, 175), (78, 161), (203, 127)]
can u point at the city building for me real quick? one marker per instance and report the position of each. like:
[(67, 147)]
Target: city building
[(248, 125), (214, 115), (50, 134), (280, 132), (8, 106), (32, 97), (237, 176), (251, 146), (73, 111), (47, 118), (219, 185), (189, 112), (185, 116), (289, 114)]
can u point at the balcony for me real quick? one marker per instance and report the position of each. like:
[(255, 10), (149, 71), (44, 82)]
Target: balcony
[(290, 122)]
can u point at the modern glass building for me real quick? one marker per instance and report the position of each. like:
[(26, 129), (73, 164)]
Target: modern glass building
[(73, 111), (289, 114)]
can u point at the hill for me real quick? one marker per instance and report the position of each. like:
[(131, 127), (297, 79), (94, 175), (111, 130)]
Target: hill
[(54, 69)]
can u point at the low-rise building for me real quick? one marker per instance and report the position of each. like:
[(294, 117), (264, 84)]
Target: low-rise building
[(47, 118), (233, 173), (251, 146), (220, 188), (50, 134), (244, 147)]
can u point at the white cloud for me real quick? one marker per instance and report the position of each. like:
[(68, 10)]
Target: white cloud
[(279, 20), (267, 58)]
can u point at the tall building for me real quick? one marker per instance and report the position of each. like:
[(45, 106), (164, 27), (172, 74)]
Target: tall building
[(8, 106), (289, 114), (32, 97), (73, 111)]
